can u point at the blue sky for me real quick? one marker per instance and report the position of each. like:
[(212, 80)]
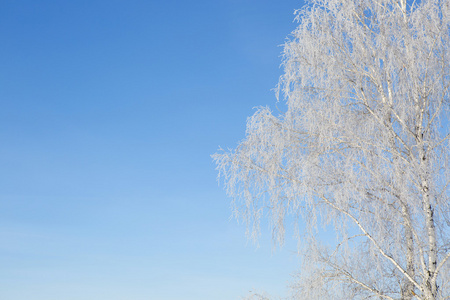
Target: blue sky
[(109, 112)]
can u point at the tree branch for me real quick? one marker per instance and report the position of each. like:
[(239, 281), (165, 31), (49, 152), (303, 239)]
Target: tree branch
[(366, 233)]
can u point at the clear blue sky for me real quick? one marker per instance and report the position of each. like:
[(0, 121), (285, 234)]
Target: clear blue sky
[(109, 112)]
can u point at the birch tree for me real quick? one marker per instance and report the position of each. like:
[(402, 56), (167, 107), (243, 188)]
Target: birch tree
[(362, 146)]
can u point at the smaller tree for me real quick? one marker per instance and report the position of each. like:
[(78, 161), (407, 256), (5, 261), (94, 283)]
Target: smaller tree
[(364, 146), (256, 296)]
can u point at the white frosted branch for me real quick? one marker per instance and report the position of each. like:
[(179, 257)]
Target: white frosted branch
[(367, 234)]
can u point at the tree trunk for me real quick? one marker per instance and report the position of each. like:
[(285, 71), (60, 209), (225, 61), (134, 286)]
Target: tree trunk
[(408, 286)]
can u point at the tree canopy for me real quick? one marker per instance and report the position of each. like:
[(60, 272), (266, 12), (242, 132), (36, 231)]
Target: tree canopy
[(363, 146)]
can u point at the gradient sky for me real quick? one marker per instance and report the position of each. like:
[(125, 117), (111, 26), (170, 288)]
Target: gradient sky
[(109, 112)]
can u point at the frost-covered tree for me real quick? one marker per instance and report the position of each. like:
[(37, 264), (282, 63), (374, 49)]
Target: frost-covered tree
[(362, 146)]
